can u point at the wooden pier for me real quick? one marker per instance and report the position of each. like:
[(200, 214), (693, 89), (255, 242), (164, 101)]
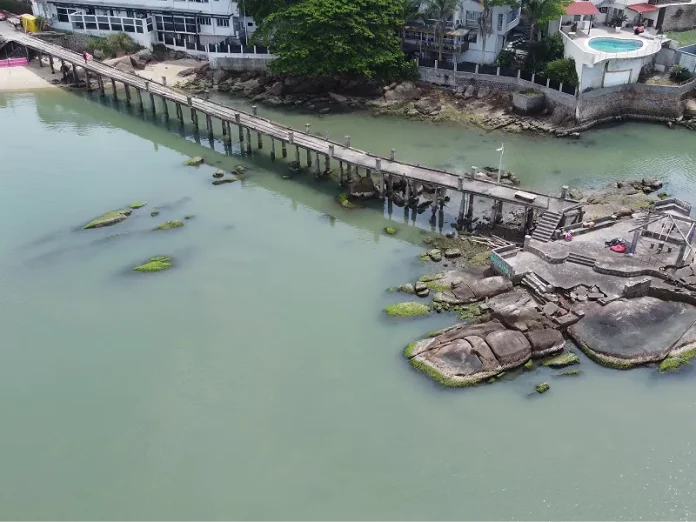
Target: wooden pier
[(349, 159)]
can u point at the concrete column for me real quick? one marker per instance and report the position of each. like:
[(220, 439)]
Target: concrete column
[(87, 83), (497, 212), (393, 155), (272, 149), (254, 110), (224, 128), (435, 197), (259, 140), (40, 62), (470, 207), (180, 113), (100, 81), (381, 187), (327, 163), (113, 87), (407, 192), (306, 128), (153, 107), (237, 119), (348, 141), (462, 208), (209, 124), (165, 107), (297, 155), (564, 191), (340, 173), (50, 62), (140, 99), (76, 81), (194, 118), (349, 172), (128, 94), (309, 158), (248, 139), (390, 185), (284, 149), (317, 164), (164, 81)]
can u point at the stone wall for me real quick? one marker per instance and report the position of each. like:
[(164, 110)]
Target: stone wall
[(679, 17), (508, 83), (76, 42), (246, 63)]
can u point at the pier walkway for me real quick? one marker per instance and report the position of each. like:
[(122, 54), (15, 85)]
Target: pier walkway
[(348, 157)]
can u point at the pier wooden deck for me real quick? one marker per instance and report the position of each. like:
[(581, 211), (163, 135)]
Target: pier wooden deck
[(329, 150)]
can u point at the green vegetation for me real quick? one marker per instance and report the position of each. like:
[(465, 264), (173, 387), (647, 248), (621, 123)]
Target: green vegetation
[(680, 74), (108, 219), (604, 360), (540, 12), (408, 309), (390, 230), (168, 225), (15, 7), (468, 312), (408, 351), (562, 70), (329, 37), (542, 52), (562, 360), (674, 362), (137, 205), (506, 58), (529, 365), (683, 37), (155, 264), (113, 45), (439, 377), (440, 11), (481, 259), (542, 387)]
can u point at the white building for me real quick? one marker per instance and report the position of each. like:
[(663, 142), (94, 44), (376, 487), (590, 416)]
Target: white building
[(462, 41), (193, 26)]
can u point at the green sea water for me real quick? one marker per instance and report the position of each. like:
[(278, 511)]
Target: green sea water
[(258, 378)]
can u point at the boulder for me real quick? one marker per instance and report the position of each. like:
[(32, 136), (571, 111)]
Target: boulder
[(363, 187), (427, 106), (276, 89), (545, 342), (576, 194), (469, 92), (483, 92), (489, 286), (406, 91), (338, 98), (219, 76), (509, 347)]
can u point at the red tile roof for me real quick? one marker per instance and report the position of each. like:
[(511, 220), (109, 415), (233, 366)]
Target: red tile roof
[(581, 8), (642, 8)]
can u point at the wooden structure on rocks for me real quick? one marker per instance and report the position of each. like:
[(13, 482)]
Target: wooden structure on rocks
[(319, 152)]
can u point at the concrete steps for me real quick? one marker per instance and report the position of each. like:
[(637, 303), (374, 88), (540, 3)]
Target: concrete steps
[(581, 259), (546, 226)]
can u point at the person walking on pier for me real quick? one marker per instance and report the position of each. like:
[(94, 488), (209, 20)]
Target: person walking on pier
[(85, 55)]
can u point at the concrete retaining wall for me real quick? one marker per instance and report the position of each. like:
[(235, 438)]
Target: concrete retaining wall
[(258, 62)]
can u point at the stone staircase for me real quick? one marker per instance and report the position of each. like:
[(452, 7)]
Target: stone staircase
[(537, 285), (581, 259), (546, 226)]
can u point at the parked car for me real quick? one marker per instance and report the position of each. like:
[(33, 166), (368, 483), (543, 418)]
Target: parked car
[(16, 22), (2, 16)]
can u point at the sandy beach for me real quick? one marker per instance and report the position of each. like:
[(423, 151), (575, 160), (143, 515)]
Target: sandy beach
[(167, 69), (27, 78)]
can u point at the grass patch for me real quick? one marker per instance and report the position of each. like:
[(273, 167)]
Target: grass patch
[(390, 230), (155, 264), (408, 351), (683, 37), (409, 309), (114, 45), (609, 362)]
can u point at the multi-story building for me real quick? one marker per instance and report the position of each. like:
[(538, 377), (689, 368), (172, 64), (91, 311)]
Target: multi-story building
[(462, 40), (193, 26)]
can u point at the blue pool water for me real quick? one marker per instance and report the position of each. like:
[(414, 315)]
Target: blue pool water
[(615, 45)]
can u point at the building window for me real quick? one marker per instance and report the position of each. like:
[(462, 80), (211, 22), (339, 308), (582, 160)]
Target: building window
[(116, 24), (472, 37), (223, 22), (149, 25), (472, 18), (576, 18), (204, 20), (128, 25), (103, 23), (501, 19), (90, 22)]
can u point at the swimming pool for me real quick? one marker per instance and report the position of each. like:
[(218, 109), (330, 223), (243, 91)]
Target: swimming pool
[(615, 45)]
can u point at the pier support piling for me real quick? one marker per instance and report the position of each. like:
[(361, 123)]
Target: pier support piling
[(209, 124), (62, 70), (259, 141), (128, 94), (273, 153), (113, 87), (284, 149), (180, 113), (309, 157), (327, 163), (140, 100), (100, 81), (153, 107), (87, 81), (248, 140), (340, 173), (297, 155), (50, 62), (317, 165)]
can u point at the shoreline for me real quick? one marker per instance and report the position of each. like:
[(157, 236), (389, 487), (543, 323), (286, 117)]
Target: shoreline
[(27, 78)]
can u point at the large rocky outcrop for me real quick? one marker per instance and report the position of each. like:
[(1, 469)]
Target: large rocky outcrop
[(466, 354), (403, 92)]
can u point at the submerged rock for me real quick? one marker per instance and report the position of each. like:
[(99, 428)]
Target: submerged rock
[(194, 162), (562, 360), (389, 230), (137, 205), (343, 200), (154, 213), (167, 225), (542, 387), (408, 309), (224, 181), (155, 264), (108, 219), (218, 173)]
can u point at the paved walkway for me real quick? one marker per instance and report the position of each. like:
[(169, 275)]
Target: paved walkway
[(306, 141)]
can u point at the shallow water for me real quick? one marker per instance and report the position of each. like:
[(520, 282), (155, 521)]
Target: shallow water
[(258, 378)]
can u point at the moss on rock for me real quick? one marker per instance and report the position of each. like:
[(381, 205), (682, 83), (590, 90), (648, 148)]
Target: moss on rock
[(571, 373), (529, 365), (562, 360), (440, 378), (137, 205), (155, 264), (194, 162), (343, 200), (408, 309), (542, 387), (223, 181), (390, 230), (672, 364), (190, 216), (108, 219), (167, 225)]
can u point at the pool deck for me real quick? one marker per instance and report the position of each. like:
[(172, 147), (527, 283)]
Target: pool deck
[(651, 43)]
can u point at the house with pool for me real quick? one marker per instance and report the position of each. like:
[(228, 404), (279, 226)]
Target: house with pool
[(604, 55)]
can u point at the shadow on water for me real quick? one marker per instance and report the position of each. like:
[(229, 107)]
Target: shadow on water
[(184, 139)]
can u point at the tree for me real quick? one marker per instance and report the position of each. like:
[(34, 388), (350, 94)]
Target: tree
[(542, 52), (410, 12), (539, 12), (259, 10), (485, 21), (563, 71), (441, 11), (327, 37)]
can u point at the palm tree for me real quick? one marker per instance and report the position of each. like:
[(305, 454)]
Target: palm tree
[(539, 12), (485, 20), (441, 11), (410, 12)]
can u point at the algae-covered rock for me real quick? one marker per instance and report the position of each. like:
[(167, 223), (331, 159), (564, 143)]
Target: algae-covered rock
[(194, 162), (167, 225), (239, 169), (529, 365), (390, 230), (570, 373), (108, 219), (190, 216), (223, 181), (155, 264), (542, 387), (451, 253), (672, 364), (562, 360), (154, 213), (343, 200), (218, 173), (408, 309), (137, 205), (406, 289), (435, 254)]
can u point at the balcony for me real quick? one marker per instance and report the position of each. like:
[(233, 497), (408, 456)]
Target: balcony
[(665, 2)]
